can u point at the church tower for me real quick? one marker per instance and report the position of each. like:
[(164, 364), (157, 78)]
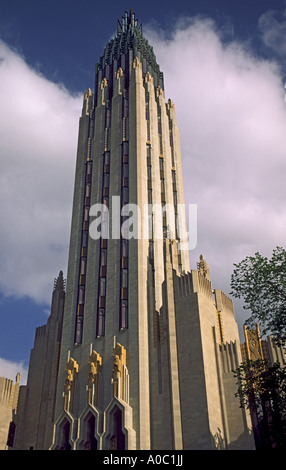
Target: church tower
[(128, 186), (147, 346)]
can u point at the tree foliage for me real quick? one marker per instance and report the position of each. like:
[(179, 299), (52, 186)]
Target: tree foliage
[(261, 283), (262, 389)]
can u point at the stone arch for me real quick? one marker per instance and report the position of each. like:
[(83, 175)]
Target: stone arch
[(118, 431), (64, 432), (88, 430)]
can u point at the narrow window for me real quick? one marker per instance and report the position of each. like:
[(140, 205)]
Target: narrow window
[(159, 123), (86, 214), (105, 211), (125, 107), (102, 283), (84, 238), (106, 158), (101, 322), (124, 314), (124, 278), (83, 266), (81, 295), (87, 190), (125, 148), (88, 168), (78, 329), (108, 118), (103, 257), (106, 180), (88, 172), (148, 147), (124, 195), (149, 196), (149, 176), (173, 177), (124, 248), (125, 170), (175, 198), (105, 228)]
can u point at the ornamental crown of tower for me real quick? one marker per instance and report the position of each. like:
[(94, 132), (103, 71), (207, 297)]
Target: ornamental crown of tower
[(130, 43)]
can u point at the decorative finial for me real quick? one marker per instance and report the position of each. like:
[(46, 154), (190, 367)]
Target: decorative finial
[(203, 267), (128, 20), (59, 282)]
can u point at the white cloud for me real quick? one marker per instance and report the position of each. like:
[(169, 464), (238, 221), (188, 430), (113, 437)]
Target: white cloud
[(10, 369), (232, 118), (272, 25), (38, 138)]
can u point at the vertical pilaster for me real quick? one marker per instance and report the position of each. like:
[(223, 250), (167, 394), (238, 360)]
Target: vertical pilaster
[(178, 185), (154, 186), (173, 353), (72, 284), (138, 268)]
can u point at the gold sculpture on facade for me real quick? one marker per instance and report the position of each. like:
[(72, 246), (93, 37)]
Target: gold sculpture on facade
[(119, 354), (95, 363), (71, 375)]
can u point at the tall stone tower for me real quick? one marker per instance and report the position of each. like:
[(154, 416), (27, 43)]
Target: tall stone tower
[(147, 347), (128, 158)]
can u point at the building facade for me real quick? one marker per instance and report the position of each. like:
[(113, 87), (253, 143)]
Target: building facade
[(9, 393), (147, 347), (36, 406)]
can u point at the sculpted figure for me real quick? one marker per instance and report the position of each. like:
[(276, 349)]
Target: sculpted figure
[(119, 354), (71, 374), (203, 267), (95, 363)]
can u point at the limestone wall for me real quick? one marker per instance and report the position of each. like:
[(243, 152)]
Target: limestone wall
[(9, 392)]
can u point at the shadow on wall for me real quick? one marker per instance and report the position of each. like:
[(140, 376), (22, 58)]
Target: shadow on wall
[(244, 441)]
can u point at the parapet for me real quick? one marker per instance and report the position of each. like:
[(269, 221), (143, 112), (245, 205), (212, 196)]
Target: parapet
[(40, 335), (229, 356), (223, 302), (9, 392), (190, 283)]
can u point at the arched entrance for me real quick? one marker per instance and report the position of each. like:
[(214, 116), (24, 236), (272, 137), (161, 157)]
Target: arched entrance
[(118, 433), (117, 440), (65, 435), (91, 441), (88, 437)]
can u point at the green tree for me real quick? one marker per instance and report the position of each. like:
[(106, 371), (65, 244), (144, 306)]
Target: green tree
[(261, 283), (262, 390)]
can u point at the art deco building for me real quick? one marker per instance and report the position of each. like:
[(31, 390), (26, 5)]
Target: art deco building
[(9, 393), (148, 347)]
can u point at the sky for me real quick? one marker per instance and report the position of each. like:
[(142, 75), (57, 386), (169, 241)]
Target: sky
[(224, 66)]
